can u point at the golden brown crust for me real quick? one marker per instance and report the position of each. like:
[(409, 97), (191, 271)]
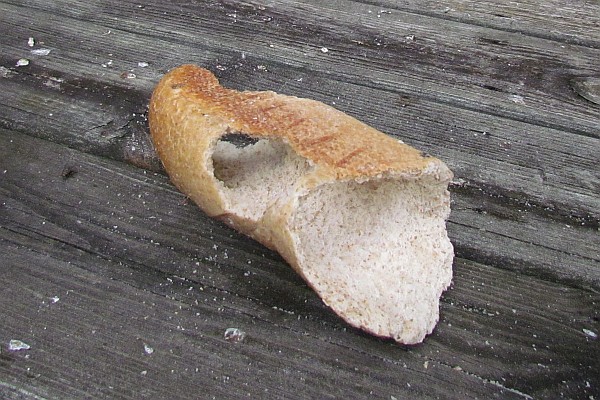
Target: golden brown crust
[(342, 146)]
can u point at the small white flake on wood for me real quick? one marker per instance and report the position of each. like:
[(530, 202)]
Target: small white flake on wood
[(16, 345), (515, 98), (234, 335), (148, 349), (40, 52), (590, 333)]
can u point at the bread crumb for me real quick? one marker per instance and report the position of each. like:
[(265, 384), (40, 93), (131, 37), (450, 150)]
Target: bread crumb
[(234, 335), (16, 345), (515, 98), (148, 349), (590, 333), (40, 52)]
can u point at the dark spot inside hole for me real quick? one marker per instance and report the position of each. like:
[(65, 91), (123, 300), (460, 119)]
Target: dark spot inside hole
[(424, 154), (239, 140), (177, 86)]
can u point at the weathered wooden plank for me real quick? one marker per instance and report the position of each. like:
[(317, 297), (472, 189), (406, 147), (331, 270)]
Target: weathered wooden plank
[(450, 62), (457, 91), (570, 262), (493, 154), (523, 240), (113, 326), (573, 22), (488, 228), (132, 261)]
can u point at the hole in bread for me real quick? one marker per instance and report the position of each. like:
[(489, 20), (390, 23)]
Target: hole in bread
[(377, 252), (255, 172)]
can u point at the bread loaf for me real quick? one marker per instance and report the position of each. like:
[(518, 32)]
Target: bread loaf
[(359, 215)]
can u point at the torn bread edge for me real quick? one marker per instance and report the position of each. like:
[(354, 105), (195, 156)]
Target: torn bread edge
[(315, 179)]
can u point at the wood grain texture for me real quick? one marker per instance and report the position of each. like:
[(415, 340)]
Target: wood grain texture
[(576, 22), (132, 264), (494, 112), (505, 93)]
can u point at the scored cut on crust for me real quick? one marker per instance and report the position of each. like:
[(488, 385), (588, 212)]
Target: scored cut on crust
[(359, 215)]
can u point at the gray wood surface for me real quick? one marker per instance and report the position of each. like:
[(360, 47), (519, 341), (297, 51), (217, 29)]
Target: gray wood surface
[(102, 259)]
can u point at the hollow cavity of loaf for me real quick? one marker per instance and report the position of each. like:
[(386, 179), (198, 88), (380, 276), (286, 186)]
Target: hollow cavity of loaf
[(359, 215)]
